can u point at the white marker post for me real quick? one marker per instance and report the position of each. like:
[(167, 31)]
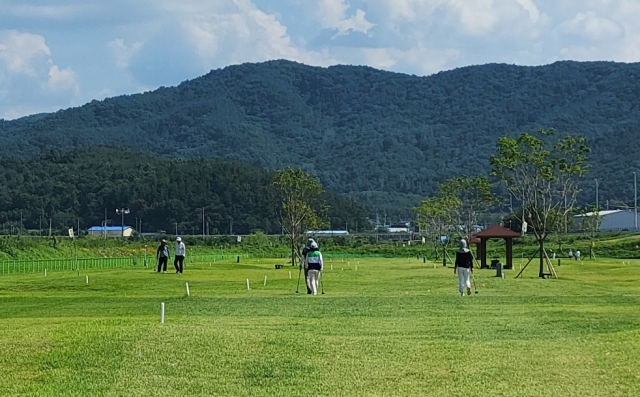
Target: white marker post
[(45, 272), (289, 274), (265, 281), (86, 279), (187, 286), (356, 267), (434, 265), (332, 266), (162, 313), (248, 285)]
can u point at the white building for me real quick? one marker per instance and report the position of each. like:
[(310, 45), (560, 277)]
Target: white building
[(610, 220)]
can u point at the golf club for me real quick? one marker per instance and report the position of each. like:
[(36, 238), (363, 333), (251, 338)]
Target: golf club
[(298, 286), (475, 285)]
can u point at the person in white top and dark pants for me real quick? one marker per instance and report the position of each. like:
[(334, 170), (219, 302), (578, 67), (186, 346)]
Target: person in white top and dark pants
[(178, 262)]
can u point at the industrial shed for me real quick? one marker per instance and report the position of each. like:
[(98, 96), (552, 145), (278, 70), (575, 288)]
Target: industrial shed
[(610, 220)]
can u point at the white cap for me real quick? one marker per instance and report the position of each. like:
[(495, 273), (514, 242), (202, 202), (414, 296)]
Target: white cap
[(178, 239)]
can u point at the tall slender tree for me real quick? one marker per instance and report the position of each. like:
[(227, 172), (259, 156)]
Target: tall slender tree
[(543, 171), (301, 208)]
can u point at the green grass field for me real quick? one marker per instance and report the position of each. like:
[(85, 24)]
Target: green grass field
[(393, 327)]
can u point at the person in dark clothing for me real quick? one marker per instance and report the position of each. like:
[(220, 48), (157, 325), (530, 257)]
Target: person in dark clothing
[(463, 268), (163, 254), (303, 260)]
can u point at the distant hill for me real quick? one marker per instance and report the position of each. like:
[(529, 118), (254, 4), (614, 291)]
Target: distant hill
[(382, 138), (87, 184)]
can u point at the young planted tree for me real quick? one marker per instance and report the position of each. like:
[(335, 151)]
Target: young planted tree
[(436, 216), (543, 171), (301, 209), (473, 195)]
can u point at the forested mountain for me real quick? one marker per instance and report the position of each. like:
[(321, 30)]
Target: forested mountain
[(379, 137), (82, 184)]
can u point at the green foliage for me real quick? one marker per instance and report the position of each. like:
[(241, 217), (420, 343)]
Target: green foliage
[(361, 129), (543, 171), (86, 184), (301, 209)]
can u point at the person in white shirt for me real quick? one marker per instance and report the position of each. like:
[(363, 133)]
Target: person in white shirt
[(178, 262), (577, 255)]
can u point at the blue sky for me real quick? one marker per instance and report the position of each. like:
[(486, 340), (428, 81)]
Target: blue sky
[(56, 54)]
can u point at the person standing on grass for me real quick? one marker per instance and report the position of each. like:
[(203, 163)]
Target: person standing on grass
[(570, 254), (313, 266), (163, 254), (577, 255), (463, 267), (305, 251), (178, 262)]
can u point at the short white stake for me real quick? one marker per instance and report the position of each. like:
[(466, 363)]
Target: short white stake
[(289, 274), (45, 272), (265, 281), (434, 265), (248, 286), (87, 279), (502, 276), (187, 286), (162, 313), (332, 266), (356, 267)]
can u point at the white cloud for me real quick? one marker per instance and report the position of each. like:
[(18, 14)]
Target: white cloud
[(592, 27), (332, 14), (124, 53), (63, 12), (61, 80), (236, 32), (21, 51)]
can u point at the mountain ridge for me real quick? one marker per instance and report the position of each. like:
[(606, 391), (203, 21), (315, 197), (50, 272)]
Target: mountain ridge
[(370, 130)]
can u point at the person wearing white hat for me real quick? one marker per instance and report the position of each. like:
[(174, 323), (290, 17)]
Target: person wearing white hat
[(463, 268), (178, 262), (313, 265)]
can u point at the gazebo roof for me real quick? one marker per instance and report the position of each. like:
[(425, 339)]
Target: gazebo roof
[(497, 231)]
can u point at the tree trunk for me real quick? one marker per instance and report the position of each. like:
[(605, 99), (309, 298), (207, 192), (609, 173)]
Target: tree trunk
[(541, 273)]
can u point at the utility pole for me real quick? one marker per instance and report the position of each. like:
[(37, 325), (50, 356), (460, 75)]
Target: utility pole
[(635, 200)]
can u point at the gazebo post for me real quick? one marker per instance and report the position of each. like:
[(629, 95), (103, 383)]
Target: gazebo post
[(509, 244), (483, 247)]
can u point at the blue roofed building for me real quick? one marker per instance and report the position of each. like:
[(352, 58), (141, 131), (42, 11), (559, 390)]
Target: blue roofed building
[(110, 231)]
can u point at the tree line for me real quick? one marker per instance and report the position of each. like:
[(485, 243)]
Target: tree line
[(86, 185)]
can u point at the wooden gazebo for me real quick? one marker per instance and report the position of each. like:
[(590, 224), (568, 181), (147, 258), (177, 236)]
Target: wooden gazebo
[(496, 231)]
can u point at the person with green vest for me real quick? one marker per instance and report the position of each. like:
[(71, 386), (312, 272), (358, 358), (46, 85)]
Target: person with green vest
[(313, 265)]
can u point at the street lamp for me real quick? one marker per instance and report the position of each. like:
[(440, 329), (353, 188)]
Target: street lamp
[(122, 212)]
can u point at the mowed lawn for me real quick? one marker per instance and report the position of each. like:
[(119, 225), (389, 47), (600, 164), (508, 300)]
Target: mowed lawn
[(393, 327)]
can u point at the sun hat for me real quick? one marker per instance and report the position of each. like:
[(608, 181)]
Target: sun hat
[(463, 246)]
